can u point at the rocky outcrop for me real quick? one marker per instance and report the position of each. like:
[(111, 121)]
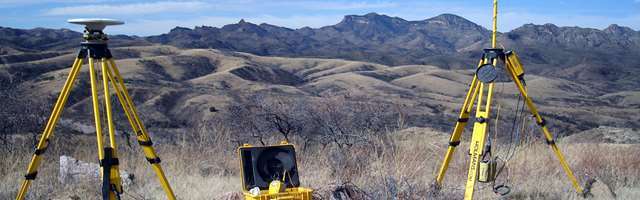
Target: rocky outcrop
[(596, 189), (76, 171)]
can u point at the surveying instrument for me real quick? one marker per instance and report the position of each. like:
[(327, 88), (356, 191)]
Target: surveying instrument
[(481, 169), (94, 47)]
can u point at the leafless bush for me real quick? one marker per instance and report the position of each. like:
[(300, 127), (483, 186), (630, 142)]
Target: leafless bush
[(21, 115), (346, 123), (323, 121)]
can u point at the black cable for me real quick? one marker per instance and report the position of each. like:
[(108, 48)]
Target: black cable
[(518, 130), (514, 128), (503, 189)]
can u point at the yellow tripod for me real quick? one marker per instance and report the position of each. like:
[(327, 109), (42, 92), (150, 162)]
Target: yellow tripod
[(95, 49), (482, 89)]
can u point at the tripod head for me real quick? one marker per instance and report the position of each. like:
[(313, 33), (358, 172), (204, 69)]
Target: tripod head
[(93, 28)]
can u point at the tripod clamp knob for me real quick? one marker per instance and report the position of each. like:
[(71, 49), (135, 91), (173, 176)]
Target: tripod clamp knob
[(94, 35), (493, 53)]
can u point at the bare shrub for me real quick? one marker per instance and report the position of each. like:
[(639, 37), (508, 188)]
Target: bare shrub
[(21, 115)]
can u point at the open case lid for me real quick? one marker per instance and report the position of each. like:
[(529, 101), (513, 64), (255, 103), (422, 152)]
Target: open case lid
[(261, 165)]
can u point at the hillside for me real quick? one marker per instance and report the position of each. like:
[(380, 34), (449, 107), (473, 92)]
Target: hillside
[(448, 41), (580, 54), (581, 78), (176, 87)]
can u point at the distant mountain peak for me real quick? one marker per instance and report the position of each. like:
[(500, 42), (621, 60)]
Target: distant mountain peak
[(374, 14), (241, 23), (179, 29), (372, 24), (452, 20), (370, 17), (613, 26), (548, 27), (449, 16), (245, 27), (616, 29)]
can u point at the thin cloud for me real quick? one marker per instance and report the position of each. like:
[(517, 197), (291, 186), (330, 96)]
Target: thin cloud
[(130, 9)]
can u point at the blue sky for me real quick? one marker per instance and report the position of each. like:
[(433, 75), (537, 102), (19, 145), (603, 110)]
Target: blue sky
[(156, 17)]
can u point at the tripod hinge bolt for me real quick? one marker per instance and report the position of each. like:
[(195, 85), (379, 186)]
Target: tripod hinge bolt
[(31, 176), (109, 162), (155, 160), (40, 151), (147, 143), (551, 142), (481, 120), (542, 122)]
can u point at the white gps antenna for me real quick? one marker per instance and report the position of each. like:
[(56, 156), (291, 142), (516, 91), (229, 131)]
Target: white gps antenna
[(95, 24), (93, 28)]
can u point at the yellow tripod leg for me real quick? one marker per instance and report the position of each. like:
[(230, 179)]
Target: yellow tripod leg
[(96, 107), (514, 66), (479, 134), (143, 137), (114, 178), (96, 112), (478, 138), (463, 118), (121, 99), (48, 131)]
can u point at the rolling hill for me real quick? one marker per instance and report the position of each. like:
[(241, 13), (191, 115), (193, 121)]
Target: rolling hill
[(581, 77), (175, 88)]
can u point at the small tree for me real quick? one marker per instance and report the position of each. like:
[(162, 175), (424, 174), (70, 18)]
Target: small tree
[(244, 121), (284, 115)]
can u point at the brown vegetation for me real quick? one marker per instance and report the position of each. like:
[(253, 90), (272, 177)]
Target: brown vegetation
[(395, 165), (348, 119)]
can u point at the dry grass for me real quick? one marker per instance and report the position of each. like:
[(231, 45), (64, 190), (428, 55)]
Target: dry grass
[(401, 165)]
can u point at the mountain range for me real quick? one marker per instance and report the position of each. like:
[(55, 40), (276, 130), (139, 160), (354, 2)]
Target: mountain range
[(582, 77), (447, 41)]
